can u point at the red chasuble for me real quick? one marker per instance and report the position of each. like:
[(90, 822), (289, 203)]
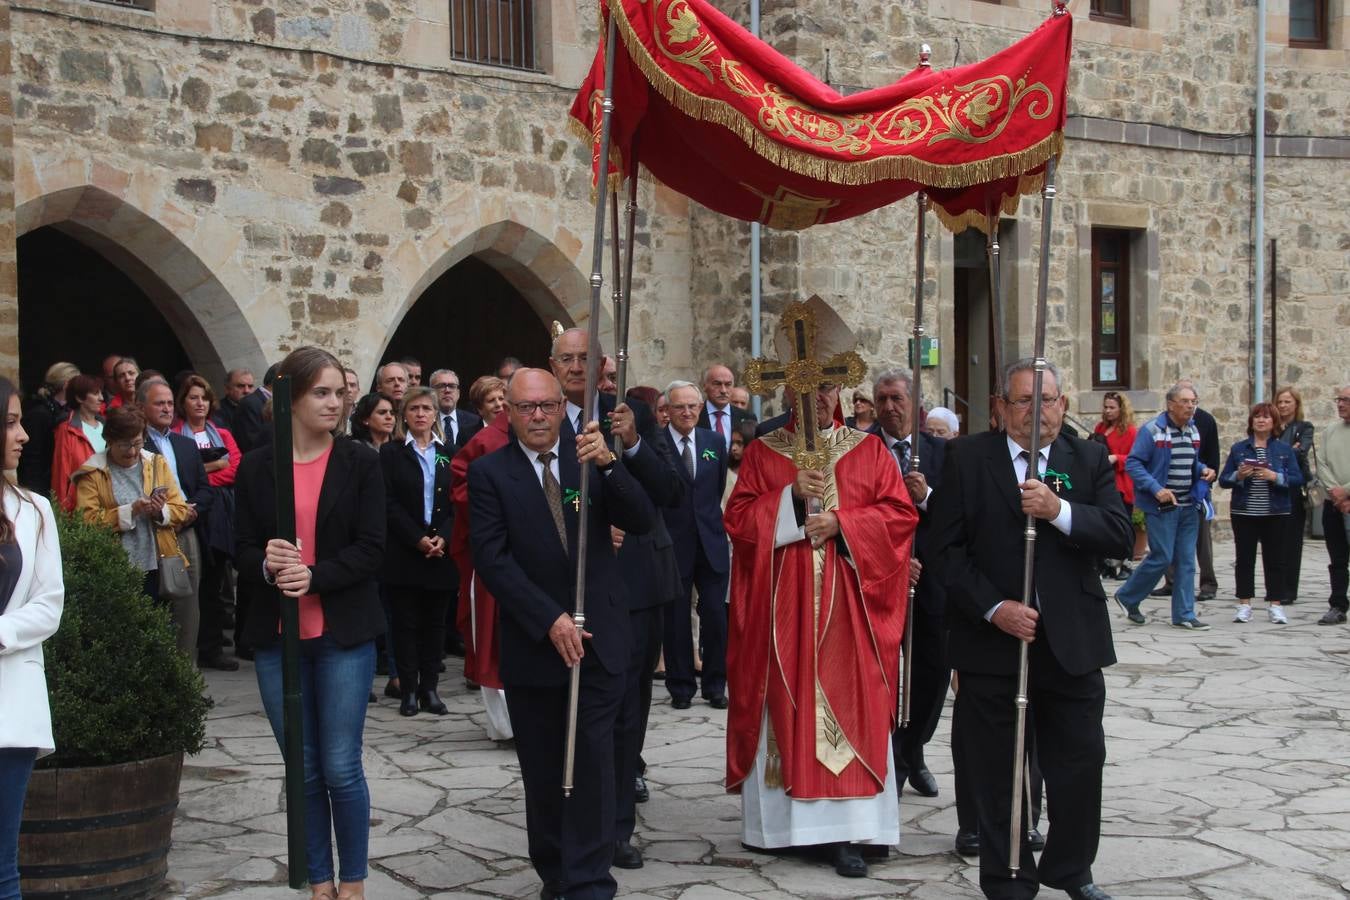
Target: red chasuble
[(479, 624), (815, 634)]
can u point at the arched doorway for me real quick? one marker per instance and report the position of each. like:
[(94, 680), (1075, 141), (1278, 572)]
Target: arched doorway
[(467, 320), (58, 276), (202, 317)]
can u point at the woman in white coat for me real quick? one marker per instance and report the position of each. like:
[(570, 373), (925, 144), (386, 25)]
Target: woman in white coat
[(32, 591)]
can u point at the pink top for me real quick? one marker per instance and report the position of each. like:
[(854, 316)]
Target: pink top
[(308, 483)]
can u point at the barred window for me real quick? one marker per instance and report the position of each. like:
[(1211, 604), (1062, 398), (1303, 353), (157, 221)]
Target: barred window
[(494, 33), (1110, 308)]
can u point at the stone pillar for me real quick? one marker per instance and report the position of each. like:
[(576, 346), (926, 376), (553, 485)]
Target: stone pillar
[(9, 269)]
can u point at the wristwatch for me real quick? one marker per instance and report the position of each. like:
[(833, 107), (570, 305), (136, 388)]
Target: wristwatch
[(605, 465)]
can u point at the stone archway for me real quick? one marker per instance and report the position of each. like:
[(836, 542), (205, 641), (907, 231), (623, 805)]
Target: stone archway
[(545, 278), (205, 317)]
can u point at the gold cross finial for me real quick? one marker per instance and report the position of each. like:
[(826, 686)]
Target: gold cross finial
[(804, 373)]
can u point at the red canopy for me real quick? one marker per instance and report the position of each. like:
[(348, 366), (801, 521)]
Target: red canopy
[(718, 115)]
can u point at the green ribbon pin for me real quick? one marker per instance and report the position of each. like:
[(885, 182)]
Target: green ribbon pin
[(439, 459), (1051, 473), (710, 454), (572, 496)]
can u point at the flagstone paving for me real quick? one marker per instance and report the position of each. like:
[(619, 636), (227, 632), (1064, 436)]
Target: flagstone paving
[(1228, 776)]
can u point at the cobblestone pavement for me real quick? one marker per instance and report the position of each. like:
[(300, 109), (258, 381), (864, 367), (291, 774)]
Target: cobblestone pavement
[(1227, 777)]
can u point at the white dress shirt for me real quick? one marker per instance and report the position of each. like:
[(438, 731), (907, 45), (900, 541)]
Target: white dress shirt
[(890, 445), (1063, 521), (677, 440)]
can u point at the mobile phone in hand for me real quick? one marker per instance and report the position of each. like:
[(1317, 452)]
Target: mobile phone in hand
[(1165, 505), (160, 493)]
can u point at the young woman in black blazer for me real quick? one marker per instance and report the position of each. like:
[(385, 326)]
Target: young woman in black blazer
[(419, 577), (330, 571)]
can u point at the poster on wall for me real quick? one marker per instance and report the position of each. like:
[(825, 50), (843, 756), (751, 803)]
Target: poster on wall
[(1106, 371)]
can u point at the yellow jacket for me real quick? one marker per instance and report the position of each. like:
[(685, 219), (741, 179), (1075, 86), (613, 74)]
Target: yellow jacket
[(95, 501)]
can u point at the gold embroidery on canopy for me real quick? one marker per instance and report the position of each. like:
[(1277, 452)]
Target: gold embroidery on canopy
[(789, 210)]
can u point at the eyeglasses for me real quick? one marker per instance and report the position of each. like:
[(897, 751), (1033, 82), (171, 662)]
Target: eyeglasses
[(447, 386), (1025, 402), (129, 445), (527, 408), (1343, 399), (1111, 395), (568, 359)]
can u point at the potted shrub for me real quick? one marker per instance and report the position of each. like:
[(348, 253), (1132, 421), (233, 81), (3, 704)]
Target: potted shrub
[(126, 705)]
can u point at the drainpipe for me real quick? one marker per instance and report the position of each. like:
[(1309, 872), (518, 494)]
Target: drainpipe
[(1259, 192), (755, 327)]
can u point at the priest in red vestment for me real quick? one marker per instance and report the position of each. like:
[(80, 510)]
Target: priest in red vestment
[(477, 613), (816, 619)]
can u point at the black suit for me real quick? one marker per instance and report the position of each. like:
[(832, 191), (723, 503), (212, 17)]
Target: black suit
[(705, 563), (349, 543), (226, 411), (652, 581), (517, 553), (247, 424), (929, 669), (977, 543), (737, 414), (467, 424), (419, 589)]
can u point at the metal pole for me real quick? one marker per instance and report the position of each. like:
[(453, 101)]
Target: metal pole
[(293, 743), (1029, 560), (916, 402), (756, 351), (1274, 326), (588, 404), (1259, 211), (622, 321), (995, 294)]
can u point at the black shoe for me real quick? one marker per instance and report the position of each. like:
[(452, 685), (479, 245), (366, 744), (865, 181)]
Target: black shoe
[(372, 698), (392, 689), (218, 661), (923, 782), (1332, 616), (454, 646), (1035, 840), (967, 843), (1163, 591), (718, 701), (680, 702), (1087, 892), (640, 792), (243, 653), (440, 666), (431, 702), (848, 862), (548, 892), (659, 676), (408, 706), (1204, 597), (626, 856)]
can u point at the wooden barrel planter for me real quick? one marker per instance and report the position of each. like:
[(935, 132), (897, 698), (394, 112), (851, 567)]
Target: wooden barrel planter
[(99, 831)]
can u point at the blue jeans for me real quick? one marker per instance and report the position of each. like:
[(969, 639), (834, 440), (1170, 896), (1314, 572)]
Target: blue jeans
[(16, 764), (1171, 541), (334, 685)]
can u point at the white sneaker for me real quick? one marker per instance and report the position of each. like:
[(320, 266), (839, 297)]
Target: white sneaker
[(1277, 616), (1244, 613)]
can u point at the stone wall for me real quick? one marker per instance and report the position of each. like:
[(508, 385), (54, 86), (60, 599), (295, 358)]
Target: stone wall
[(9, 277)]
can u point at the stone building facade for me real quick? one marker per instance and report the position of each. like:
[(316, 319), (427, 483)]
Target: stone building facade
[(272, 173)]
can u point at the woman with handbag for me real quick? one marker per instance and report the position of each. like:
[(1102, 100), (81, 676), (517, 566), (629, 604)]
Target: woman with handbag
[(1263, 473), (329, 571), (32, 592), (419, 576), (1297, 433), (131, 490)]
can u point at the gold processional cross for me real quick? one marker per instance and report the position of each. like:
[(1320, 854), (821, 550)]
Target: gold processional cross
[(804, 374)]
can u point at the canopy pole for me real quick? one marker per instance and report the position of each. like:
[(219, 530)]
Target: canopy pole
[(623, 303), (916, 404), (756, 348), (292, 711), (588, 402), (1029, 559), (991, 250)]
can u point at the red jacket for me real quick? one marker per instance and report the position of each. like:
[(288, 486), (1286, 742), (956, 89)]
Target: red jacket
[(72, 449), (1119, 446)]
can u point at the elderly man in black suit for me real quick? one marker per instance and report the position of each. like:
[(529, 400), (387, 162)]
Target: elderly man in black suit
[(702, 551), (458, 425), (646, 562), (718, 415), (977, 542), (524, 514), (892, 395)]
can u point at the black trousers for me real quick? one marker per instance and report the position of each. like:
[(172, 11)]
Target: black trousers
[(1338, 550), (571, 839), (419, 634), (211, 605), (1294, 524), (712, 629), (967, 815), (1066, 716), (630, 729), (1269, 532), (930, 676)]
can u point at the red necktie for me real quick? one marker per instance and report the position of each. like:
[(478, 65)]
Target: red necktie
[(721, 427)]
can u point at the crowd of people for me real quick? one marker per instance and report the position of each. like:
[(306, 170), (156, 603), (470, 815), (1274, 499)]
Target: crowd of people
[(433, 522)]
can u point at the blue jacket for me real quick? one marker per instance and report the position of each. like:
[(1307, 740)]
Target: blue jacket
[(1150, 458), (1282, 459)]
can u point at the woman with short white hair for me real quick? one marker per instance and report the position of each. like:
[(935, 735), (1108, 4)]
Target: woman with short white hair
[(942, 423)]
